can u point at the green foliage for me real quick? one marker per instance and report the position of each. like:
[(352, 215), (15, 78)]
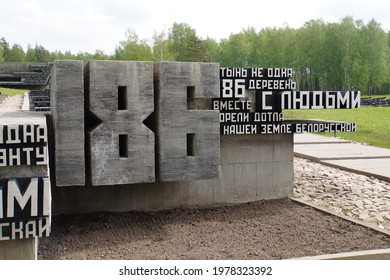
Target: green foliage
[(16, 54), (6, 49), (133, 49), (348, 55), (185, 45), (42, 54), (1, 52), (31, 55), (334, 56), (373, 126), (161, 47), (12, 91)]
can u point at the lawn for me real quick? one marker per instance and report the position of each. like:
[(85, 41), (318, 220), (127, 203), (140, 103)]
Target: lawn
[(373, 123), (12, 91), (377, 96)]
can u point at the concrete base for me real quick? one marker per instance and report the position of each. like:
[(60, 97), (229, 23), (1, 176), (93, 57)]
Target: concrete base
[(252, 168), (19, 249)]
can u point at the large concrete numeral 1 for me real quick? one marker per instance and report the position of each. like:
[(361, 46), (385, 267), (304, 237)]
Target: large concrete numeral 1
[(119, 99), (67, 108), (187, 138)]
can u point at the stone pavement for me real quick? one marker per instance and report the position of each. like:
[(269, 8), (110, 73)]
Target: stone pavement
[(361, 191), (3, 97), (346, 155), (12, 103)]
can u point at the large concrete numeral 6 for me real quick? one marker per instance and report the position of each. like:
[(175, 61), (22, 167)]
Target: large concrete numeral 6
[(187, 138)]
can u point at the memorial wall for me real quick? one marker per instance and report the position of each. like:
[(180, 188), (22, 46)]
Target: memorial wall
[(252, 100), (126, 135), (138, 136)]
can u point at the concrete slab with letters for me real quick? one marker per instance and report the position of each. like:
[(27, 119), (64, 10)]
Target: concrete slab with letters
[(354, 157)]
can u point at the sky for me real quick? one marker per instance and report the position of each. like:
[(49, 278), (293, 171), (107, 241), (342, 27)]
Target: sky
[(88, 25)]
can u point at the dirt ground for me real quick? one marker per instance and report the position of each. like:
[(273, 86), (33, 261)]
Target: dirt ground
[(278, 229)]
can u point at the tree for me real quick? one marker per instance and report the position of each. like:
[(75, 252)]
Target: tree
[(30, 54), (6, 49), (185, 45), (16, 54), (100, 55), (161, 50), (374, 52), (197, 50), (133, 49), (41, 53), (213, 49), (1, 52)]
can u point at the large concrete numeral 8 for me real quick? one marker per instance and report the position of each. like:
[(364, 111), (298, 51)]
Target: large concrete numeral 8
[(120, 98)]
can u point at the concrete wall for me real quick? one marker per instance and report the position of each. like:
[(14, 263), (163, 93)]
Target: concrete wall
[(20, 249), (67, 121), (187, 139), (10, 67), (252, 167)]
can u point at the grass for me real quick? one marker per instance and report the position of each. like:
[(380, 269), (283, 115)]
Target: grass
[(12, 91), (373, 123), (376, 96)]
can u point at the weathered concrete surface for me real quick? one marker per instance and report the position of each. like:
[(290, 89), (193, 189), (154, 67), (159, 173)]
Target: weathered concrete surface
[(181, 157), (354, 157), (9, 67), (20, 118), (21, 249), (120, 95), (67, 118), (261, 169)]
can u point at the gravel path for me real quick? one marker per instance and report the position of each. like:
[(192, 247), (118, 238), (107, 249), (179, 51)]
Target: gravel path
[(353, 195), (276, 229)]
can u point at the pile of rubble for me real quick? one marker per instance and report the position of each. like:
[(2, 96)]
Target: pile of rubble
[(369, 101), (353, 195)]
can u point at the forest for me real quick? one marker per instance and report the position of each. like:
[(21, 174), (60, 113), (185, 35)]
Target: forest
[(348, 55)]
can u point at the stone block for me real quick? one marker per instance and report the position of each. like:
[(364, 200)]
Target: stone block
[(120, 98), (265, 188), (247, 148), (249, 182), (20, 249), (283, 149), (182, 193), (282, 179), (187, 140), (224, 187), (202, 194), (67, 102)]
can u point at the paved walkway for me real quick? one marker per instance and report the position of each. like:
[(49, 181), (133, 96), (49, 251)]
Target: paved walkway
[(3, 97), (343, 154)]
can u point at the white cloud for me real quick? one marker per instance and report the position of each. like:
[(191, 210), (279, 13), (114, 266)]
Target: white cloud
[(87, 25)]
